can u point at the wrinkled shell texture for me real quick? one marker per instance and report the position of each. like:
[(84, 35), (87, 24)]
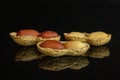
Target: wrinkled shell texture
[(27, 54), (43, 39), (99, 38), (76, 36), (23, 40), (74, 45), (61, 63), (98, 52), (57, 53)]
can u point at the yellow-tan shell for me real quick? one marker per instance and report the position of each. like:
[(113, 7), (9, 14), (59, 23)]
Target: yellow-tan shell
[(74, 44), (98, 52), (24, 40), (76, 36), (98, 38), (61, 63), (54, 38), (63, 52), (27, 54)]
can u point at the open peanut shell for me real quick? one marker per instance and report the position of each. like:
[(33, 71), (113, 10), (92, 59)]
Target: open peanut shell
[(76, 36), (63, 52), (24, 40), (54, 38), (98, 38)]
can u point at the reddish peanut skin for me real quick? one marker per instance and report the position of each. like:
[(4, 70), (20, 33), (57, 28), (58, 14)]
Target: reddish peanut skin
[(28, 32), (48, 34), (52, 44)]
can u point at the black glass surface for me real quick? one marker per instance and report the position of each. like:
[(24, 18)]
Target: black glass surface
[(63, 16)]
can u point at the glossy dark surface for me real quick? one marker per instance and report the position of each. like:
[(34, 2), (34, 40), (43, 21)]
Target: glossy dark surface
[(64, 17)]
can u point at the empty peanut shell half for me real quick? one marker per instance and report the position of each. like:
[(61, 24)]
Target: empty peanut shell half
[(72, 49), (98, 38), (76, 36)]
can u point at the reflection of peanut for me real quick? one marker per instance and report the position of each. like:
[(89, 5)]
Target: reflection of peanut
[(61, 63), (27, 54), (98, 52)]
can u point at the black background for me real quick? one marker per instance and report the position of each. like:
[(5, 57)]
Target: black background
[(63, 16)]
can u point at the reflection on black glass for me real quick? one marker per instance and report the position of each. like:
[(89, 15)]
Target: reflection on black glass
[(98, 52), (27, 54), (61, 63)]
